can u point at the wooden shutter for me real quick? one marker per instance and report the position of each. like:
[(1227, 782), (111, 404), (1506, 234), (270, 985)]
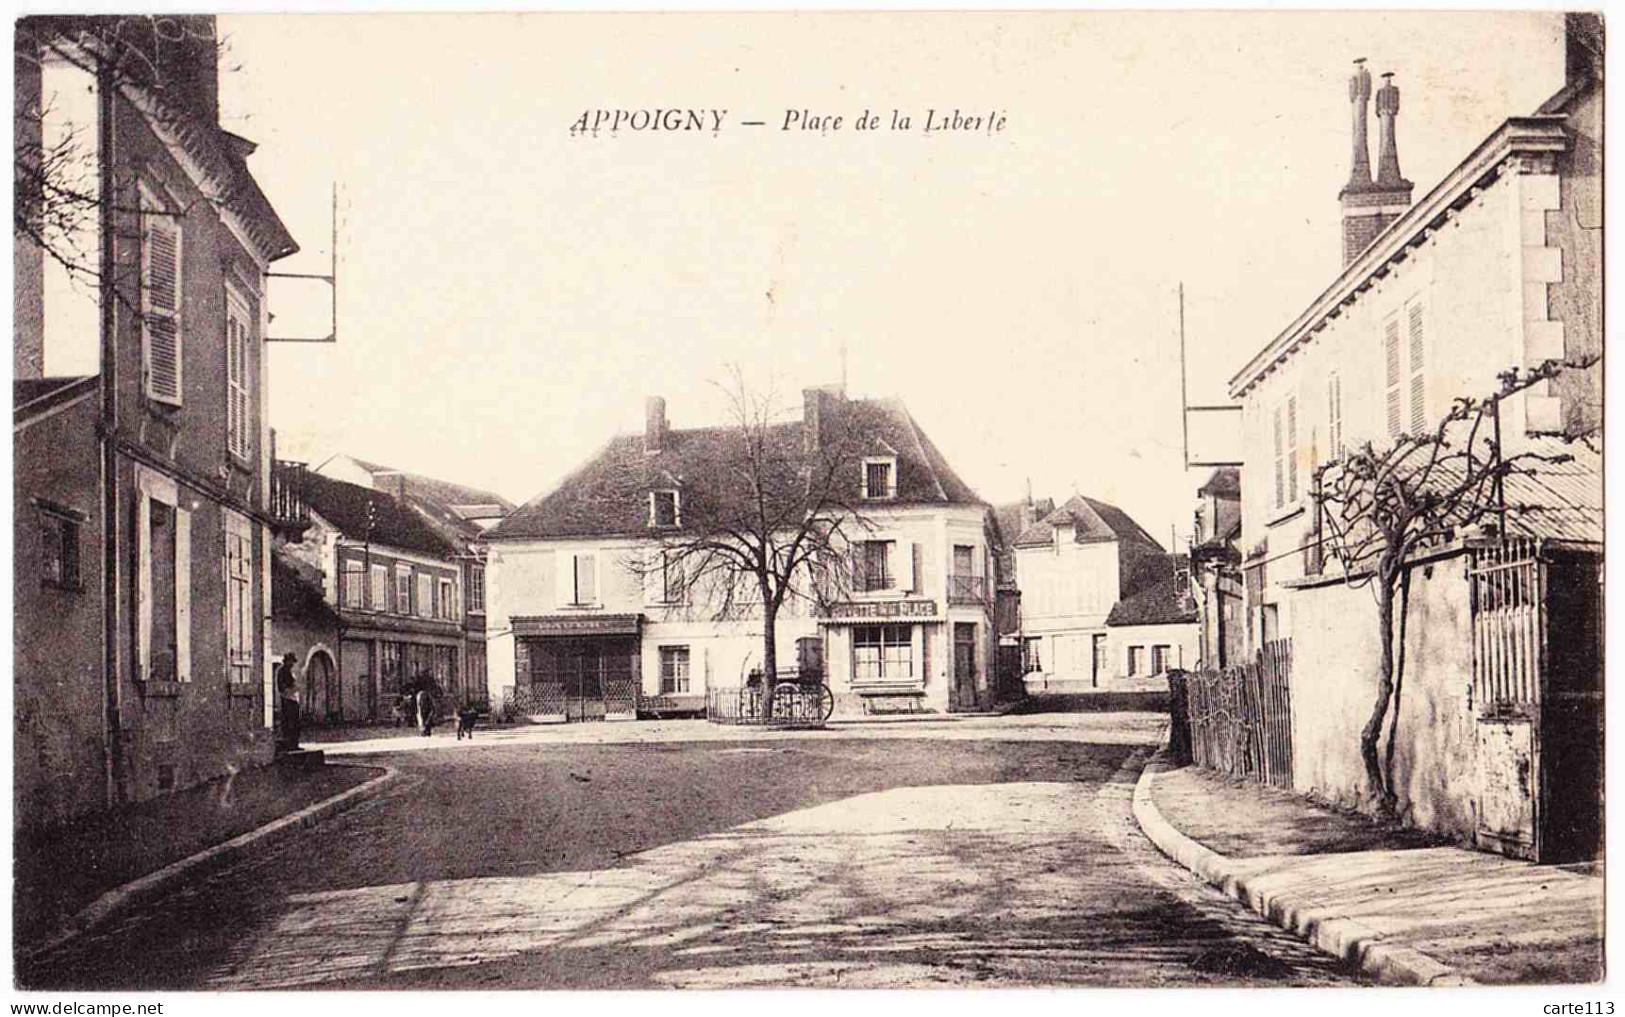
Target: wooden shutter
[(911, 564), (237, 377), (586, 579), (160, 305), (143, 584), (1334, 416), (1292, 448), (1280, 473), (1390, 333), (183, 595), (1419, 415)]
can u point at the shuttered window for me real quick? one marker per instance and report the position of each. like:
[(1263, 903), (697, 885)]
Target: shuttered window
[(239, 598), (1390, 340), (160, 301), (380, 587), (425, 595), (163, 580), (586, 590), (1419, 413), (238, 385)]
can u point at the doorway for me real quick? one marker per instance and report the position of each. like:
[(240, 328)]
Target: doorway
[(965, 665)]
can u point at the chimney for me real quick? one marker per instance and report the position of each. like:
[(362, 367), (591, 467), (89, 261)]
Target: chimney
[(1370, 206), (654, 425)]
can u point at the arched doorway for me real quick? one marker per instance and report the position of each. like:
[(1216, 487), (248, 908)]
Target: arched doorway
[(321, 694)]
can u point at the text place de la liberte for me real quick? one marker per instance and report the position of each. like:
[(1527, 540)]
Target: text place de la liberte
[(602, 122)]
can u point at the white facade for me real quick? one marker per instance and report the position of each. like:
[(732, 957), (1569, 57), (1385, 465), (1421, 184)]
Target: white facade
[(924, 602), (1067, 590)]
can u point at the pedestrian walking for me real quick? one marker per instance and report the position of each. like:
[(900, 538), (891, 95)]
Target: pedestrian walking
[(425, 711), (288, 696)]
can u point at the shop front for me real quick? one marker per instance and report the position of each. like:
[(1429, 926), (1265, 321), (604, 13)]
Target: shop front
[(901, 656), (575, 668)]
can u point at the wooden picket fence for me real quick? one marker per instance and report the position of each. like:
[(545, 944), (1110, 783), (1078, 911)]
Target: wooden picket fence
[(1240, 719)]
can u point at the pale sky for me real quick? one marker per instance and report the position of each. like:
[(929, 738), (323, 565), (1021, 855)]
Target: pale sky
[(509, 294)]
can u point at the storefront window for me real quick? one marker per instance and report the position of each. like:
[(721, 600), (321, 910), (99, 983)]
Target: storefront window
[(882, 652)]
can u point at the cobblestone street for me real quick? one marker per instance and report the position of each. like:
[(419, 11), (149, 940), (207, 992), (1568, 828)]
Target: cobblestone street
[(1000, 853)]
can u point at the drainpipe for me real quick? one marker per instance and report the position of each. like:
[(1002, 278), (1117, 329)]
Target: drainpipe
[(112, 744)]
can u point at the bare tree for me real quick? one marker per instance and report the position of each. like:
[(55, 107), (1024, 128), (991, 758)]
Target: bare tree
[(770, 520), (1380, 507)]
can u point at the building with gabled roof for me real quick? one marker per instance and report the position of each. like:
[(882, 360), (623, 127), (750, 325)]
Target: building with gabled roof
[(459, 514), (1077, 567), (585, 637), (394, 584)]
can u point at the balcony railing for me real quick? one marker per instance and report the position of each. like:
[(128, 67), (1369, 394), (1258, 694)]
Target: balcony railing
[(288, 505), (967, 589)]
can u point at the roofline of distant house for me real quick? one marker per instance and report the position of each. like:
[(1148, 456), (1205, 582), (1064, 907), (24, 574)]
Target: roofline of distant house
[(1516, 136), (489, 538)]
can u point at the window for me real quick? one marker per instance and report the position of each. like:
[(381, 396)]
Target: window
[(164, 580), (663, 508), (880, 478), (238, 376), (424, 601), (1136, 660), (874, 565), (380, 588), (586, 579), (403, 589), (447, 603), (1159, 659), (160, 300), (882, 653), (673, 670), (1030, 659), (964, 560), (354, 582), (59, 544), (1269, 621), (239, 598), (476, 589)]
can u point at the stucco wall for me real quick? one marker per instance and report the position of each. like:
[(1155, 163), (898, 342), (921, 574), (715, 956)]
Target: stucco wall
[(1183, 642), (58, 718), (1335, 655)]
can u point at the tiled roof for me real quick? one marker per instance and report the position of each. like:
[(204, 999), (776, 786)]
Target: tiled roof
[(1012, 517), (296, 592), (608, 494), (1552, 501), (1160, 599), (1224, 482), (1092, 520), (396, 525), (451, 506)]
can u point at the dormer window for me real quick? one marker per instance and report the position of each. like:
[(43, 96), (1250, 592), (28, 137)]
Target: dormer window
[(664, 509), (880, 477)]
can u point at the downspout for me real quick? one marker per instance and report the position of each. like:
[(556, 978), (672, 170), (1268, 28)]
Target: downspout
[(112, 744)]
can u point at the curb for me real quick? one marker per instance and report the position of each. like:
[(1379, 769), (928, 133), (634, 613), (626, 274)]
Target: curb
[(153, 884), (1346, 938)]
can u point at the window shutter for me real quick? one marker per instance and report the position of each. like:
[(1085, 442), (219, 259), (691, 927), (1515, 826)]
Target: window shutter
[(1334, 416), (160, 306), (183, 595), (1280, 478), (143, 592), (1419, 417), (1391, 344), (911, 567), (1292, 448), (564, 579)]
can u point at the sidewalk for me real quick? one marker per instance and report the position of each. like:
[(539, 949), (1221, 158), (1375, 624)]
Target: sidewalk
[(1397, 902), (67, 870)]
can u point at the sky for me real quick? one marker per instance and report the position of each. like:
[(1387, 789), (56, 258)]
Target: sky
[(509, 294)]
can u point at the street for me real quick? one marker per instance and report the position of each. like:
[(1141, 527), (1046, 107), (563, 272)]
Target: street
[(996, 852)]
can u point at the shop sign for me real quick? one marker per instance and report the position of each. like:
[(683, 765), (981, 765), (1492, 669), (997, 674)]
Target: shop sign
[(578, 625), (864, 610)]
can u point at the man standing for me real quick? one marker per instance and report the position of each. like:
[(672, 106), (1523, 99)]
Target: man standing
[(286, 688), (425, 710)]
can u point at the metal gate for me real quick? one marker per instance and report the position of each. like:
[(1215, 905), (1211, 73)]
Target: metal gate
[(577, 679), (1509, 643)]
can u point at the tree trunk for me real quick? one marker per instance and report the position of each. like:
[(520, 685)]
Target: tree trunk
[(1371, 734), (770, 655), (1399, 687)]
